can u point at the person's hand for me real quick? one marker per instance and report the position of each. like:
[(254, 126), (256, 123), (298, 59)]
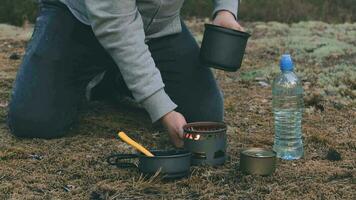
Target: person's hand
[(174, 122), (227, 19)]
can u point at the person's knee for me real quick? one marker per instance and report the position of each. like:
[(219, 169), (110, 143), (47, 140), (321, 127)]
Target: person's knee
[(34, 125), (214, 110), (210, 109)]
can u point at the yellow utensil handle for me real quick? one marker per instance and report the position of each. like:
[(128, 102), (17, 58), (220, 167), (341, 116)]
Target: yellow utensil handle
[(134, 144)]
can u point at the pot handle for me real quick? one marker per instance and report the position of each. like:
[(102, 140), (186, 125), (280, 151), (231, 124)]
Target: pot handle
[(115, 159)]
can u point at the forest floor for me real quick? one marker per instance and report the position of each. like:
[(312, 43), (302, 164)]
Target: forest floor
[(74, 167)]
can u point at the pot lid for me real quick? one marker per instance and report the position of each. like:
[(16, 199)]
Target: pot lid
[(258, 153)]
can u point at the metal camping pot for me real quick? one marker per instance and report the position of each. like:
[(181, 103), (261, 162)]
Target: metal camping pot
[(258, 161), (223, 48), (170, 164), (206, 141)]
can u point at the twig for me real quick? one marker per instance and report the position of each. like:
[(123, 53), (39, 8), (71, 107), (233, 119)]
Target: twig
[(25, 170)]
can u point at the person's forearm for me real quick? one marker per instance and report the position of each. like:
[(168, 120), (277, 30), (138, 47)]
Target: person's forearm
[(118, 26), (229, 5)]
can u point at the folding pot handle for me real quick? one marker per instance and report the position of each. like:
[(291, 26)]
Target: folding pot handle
[(116, 159)]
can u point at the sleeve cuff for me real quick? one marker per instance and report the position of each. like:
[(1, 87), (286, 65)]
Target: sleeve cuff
[(229, 5), (158, 104)]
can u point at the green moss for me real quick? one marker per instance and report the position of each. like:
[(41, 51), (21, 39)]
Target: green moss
[(324, 55), (318, 40), (265, 73), (339, 80), (251, 75)]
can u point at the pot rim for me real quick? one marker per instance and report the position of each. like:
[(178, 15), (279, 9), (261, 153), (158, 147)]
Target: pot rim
[(178, 154), (221, 127), (227, 30), (221, 66), (265, 153)]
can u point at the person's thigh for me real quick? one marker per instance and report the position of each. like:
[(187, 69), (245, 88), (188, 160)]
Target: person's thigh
[(191, 85), (51, 81)]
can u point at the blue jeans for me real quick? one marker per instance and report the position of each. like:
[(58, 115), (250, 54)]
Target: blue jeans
[(64, 55)]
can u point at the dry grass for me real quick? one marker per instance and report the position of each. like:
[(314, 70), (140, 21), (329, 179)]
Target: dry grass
[(74, 167)]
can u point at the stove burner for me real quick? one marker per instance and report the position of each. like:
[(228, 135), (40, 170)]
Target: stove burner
[(207, 142)]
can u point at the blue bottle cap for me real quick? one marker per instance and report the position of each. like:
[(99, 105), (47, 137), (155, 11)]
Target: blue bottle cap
[(286, 63)]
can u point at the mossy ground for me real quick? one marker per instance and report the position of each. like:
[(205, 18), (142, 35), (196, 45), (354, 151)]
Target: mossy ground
[(74, 167)]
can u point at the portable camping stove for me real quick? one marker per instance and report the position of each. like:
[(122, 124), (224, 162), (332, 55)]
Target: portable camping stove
[(207, 142)]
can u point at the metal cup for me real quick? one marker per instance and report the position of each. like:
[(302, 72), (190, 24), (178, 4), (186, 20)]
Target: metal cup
[(258, 161)]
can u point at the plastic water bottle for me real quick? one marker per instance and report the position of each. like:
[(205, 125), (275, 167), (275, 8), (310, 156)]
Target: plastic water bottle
[(287, 102)]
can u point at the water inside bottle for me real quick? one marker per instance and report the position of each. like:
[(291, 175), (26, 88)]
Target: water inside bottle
[(288, 108)]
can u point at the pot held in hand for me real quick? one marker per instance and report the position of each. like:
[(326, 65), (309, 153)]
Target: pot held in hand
[(223, 48)]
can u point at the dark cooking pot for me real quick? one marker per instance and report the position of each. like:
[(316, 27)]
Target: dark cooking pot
[(170, 164), (223, 48)]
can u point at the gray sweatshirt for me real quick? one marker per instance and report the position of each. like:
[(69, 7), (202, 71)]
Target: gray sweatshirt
[(123, 27)]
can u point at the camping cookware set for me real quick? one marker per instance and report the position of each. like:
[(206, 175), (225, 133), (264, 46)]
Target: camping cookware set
[(223, 48), (207, 142), (170, 164), (258, 161), (204, 142)]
